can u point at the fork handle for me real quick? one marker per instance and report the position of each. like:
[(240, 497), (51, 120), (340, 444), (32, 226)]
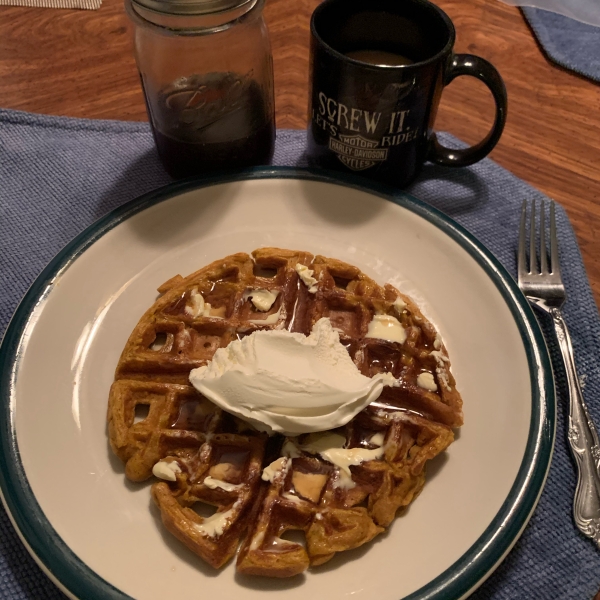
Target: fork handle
[(583, 439)]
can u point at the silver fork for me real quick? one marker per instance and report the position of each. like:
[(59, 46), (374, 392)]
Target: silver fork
[(544, 289)]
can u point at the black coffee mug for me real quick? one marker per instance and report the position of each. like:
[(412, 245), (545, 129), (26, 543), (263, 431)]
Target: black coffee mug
[(377, 70)]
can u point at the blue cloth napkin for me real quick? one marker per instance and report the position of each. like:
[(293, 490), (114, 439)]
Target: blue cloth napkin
[(569, 43), (58, 175)]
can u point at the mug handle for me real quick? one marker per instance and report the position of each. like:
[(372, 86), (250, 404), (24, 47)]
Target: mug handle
[(467, 64)]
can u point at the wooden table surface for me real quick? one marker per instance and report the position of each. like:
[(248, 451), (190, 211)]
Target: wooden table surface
[(80, 64)]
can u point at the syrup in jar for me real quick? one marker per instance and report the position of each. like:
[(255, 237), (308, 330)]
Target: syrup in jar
[(207, 75), (212, 122)]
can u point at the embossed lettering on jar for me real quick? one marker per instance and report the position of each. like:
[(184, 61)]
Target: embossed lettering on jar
[(207, 74)]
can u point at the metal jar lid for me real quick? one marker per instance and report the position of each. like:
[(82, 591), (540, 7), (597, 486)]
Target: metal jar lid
[(191, 7)]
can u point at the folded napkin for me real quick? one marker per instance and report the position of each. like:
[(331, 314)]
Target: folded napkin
[(567, 42), (59, 175)]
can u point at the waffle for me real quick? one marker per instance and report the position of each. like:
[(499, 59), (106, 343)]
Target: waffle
[(263, 487)]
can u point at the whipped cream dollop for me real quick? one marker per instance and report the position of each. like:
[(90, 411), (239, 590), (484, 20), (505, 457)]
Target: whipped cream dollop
[(288, 382)]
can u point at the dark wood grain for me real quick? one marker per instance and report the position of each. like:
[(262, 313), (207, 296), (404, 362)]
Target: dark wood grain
[(80, 64)]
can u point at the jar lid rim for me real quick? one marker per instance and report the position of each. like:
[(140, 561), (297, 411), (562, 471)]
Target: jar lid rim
[(190, 7)]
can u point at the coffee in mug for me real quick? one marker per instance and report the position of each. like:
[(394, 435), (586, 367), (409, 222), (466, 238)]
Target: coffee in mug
[(377, 71), (379, 57)]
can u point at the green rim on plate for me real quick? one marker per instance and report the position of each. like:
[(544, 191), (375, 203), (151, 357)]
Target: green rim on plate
[(469, 571)]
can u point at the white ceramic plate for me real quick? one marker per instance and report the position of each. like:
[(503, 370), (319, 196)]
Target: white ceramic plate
[(99, 536)]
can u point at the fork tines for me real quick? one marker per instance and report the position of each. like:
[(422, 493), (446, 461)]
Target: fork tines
[(545, 269)]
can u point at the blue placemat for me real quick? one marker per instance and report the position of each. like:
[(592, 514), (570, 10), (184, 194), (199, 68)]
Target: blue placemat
[(569, 43), (58, 175)]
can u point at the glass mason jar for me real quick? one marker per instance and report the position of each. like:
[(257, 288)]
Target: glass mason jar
[(207, 74)]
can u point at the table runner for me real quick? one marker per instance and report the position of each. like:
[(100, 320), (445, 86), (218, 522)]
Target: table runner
[(567, 42), (58, 175)]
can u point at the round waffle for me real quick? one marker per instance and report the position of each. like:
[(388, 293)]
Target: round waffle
[(263, 487)]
